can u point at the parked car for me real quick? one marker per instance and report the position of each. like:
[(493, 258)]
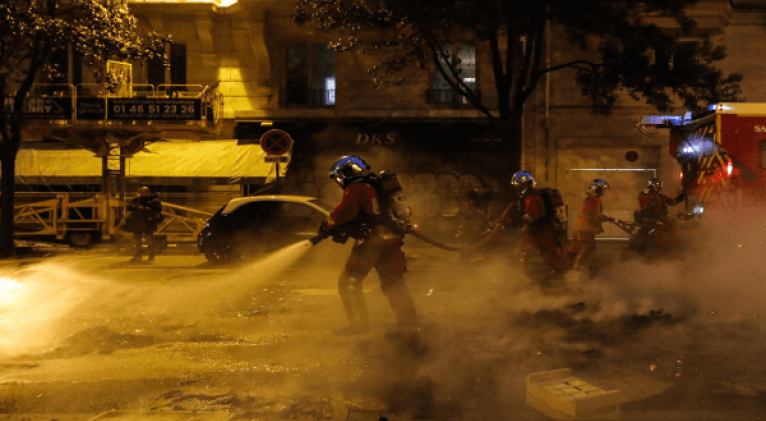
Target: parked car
[(249, 226)]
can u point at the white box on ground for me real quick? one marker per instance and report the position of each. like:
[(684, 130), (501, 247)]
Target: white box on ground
[(562, 396)]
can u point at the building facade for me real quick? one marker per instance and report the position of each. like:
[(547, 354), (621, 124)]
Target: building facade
[(273, 73)]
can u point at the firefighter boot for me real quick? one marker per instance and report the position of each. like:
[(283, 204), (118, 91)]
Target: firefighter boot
[(352, 296), (400, 300), (138, 245)]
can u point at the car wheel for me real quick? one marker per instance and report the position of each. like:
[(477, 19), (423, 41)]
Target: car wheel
[(81, 238), (221, 252)]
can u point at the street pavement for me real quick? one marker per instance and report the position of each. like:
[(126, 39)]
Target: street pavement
[(98, 337)]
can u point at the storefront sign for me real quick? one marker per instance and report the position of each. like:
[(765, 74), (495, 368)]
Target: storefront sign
[(154, 109), (42, 108), (376, 138), (348, 137), (91, 108)]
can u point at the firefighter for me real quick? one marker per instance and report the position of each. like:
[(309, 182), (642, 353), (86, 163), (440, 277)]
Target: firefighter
[(654, 204), (589, 224), (376, 246), (654, 215), (536, 224)]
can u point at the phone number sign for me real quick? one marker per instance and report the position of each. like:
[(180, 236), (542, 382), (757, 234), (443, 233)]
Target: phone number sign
[(154, 109)]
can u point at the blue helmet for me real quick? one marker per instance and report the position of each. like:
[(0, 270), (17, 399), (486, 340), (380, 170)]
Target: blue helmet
[(522, 181), (598, 186), (347, 169)]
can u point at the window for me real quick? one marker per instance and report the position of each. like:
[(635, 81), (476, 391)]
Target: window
[(462, 58), (310, 75), (762, 150), (156, 70), (59, 76), (676, 62), (178, 65)]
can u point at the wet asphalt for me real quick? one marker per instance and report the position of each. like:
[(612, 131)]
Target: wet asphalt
[(98, 337)]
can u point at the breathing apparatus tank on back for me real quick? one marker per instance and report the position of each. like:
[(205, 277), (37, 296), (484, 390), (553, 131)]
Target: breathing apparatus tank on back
[(395, 209)]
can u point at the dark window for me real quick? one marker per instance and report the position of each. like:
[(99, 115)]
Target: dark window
[(684, 57), (76, 67), (662, 65), (297, 74), (155, 71), (323, 77), (462, 58), (310, 76), (675, 62), (60, 60), (178, 65)]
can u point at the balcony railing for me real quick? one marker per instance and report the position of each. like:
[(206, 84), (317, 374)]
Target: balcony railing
[(449, 97), (302, 97)]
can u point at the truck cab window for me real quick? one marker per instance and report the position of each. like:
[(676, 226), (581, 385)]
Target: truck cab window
[(762, 151)]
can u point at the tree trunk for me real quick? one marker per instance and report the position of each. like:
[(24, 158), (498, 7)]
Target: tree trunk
[(7, 188), (510, 158)]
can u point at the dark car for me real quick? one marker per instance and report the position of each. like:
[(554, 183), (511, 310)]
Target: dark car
[(249, 226)]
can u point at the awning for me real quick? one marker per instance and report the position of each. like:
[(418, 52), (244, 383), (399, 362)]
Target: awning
[(213, 162)]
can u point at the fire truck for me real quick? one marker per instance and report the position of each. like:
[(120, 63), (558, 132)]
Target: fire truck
[(721, 152)]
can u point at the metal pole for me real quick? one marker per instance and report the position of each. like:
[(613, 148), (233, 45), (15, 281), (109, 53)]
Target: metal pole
[(105, 192)]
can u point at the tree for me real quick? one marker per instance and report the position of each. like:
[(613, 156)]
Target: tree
[(634, 54), (30, 31)]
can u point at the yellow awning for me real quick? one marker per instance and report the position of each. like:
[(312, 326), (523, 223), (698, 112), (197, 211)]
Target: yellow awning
[(220, 162)]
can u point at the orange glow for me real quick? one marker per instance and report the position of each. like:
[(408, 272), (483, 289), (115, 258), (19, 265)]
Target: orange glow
[(729, 168)]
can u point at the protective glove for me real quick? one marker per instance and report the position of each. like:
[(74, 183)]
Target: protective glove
[(324, 229), (680, 198)]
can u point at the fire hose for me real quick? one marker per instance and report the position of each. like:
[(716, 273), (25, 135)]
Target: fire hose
[(631, 227), (341, 236)]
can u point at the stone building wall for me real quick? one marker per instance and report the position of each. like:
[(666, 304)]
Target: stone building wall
[(565, 144)]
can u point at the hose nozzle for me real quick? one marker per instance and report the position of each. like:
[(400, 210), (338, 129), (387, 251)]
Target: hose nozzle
[(317, 239)]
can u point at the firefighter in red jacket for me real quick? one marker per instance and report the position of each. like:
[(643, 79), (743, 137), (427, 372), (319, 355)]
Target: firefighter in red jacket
[(376, 246), (537, 231), (654, 204), (589, 223), (654, 215)]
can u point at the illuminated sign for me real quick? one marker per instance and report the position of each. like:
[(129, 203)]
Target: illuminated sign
[(154, 109), (660, 120)]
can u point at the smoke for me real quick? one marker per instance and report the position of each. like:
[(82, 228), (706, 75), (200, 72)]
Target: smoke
[(690, 314), (717, 267)]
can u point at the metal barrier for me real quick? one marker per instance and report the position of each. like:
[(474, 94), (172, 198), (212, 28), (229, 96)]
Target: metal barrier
[(83, 222), (89, 102)]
